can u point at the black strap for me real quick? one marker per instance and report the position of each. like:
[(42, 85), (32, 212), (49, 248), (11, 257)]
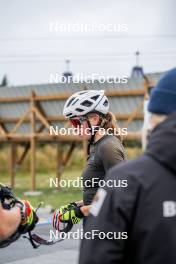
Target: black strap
[(91, 140)]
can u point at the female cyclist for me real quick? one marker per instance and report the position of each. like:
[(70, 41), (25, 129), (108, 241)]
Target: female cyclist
[(88, 111)]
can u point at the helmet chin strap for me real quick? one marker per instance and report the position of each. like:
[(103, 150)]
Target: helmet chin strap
[(94, 131)]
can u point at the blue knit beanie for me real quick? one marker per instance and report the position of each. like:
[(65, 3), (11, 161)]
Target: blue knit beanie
[(163, 96)]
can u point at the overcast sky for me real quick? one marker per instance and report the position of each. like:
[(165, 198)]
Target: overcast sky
[(30, 51)]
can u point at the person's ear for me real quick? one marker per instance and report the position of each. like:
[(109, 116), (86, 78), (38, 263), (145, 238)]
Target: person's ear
[(96, 119)]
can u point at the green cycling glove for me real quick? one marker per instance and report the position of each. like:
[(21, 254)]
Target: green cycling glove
[(70, 213)]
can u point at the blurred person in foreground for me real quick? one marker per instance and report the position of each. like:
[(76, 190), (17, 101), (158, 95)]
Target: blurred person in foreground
[(16, 217), (144, 213)]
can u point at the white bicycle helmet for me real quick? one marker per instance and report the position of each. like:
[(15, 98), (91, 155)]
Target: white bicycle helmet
[(84, 102)]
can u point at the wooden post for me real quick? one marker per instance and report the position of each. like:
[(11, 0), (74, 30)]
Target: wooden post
[(69, 153), (33, 144), (13, 155), (59, 162), (146, 89), (33, 164)]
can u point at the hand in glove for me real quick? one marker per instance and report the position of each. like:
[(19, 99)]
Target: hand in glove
[(70, 213), (28, 216)]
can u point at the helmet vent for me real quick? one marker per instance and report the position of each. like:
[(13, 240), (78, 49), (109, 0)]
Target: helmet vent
[(71, 100), (86, 103), (95, 97), (82, 92), (105, 103), (79, 110), (75, 101), (69, 114)]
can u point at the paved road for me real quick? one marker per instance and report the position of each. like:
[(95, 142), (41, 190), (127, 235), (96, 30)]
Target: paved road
[(21, 252)]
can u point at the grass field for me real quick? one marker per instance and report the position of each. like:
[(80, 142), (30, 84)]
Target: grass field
[(50, 196), (46, 170)]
